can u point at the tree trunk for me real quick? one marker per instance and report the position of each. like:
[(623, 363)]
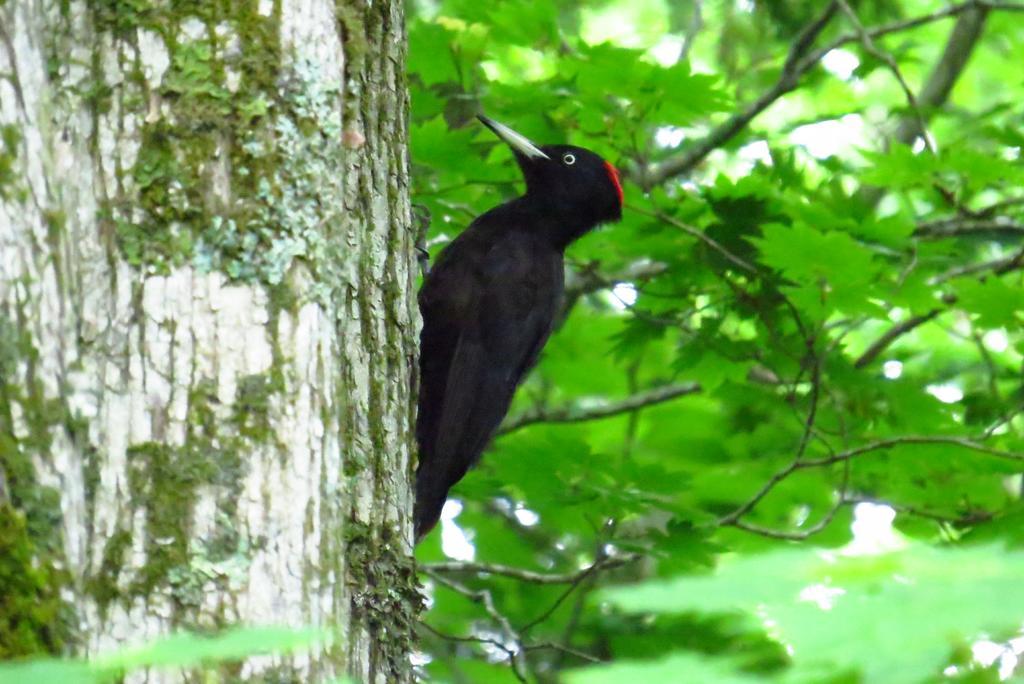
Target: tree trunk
[(207, 329)]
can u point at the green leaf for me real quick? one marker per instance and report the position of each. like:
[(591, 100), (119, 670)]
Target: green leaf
[(184, 649), (900, 167), (48, 672), (430, 53), (995, 302), (679, 667), (895, 616), (181, 650), (831, 270)]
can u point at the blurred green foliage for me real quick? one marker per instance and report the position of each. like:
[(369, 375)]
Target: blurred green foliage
[(183, 651), (847, 297)]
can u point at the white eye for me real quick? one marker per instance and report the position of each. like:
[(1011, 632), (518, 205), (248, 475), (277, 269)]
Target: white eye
[(569, 159)]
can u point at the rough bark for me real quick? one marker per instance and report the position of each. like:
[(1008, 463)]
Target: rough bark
[(207, 332)]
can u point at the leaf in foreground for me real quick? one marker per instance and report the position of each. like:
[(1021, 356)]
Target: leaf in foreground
[(896, 617)]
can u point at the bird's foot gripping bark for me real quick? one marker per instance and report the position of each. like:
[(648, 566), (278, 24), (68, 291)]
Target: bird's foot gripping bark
[(421, 214)]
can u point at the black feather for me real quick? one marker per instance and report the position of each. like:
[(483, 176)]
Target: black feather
[(488, 305)]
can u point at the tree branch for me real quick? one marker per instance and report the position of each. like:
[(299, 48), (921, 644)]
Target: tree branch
[(699, 235), (733, 518), (932, 95), (563, 649), (792, 70), (907, 440), (577, 581), (997, 266), (583, 281), (812, 412), (972, 518), (486, 601), (959, 47), (935, 92), (694, 28), (891, 335), (890, 62), (524, 575), (748, 505), (542, 645), (789, 535), (958, 227), (573, 413)]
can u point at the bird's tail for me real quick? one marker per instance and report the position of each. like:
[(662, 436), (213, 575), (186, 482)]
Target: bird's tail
[(430, 498)]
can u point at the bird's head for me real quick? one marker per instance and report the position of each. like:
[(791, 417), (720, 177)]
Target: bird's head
[(573, 181)]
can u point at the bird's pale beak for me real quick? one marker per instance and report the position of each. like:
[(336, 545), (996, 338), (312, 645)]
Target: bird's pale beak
[(517, 141)]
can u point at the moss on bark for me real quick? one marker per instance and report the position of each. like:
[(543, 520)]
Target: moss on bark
[(385, 596), (32, 614), (33, 619)]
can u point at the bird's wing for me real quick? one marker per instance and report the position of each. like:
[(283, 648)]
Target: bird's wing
[(495, 349), (448, 293), (491, 338)]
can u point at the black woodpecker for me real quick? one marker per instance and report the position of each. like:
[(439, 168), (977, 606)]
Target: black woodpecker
[(489, 302)]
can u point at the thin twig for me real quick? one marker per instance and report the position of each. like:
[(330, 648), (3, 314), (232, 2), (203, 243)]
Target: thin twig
[(972, 518), (563, 649), (767, 487), (936, 89), (908, 440), (891, 335), (959, 227), (586, 279), (958, 50), (790, 535), (871, 48), (812, 412), (562, 597), (998, 266), (699, 235), (963, 38), (800, 535), (573, 622), (528, 575), (573, 413), (465, 639), (849, 454), (541, 645), (483, 598), (992, 371)]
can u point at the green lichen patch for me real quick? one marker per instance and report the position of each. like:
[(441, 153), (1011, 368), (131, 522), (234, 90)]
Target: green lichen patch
[(238, 169), (103, 585), (33, 618), (31, 611), (171, 173), (164, 479), (287, 181), (252, 406), (56, 222), (10, 141), (280, 298), (122, 17), (40, 415)]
